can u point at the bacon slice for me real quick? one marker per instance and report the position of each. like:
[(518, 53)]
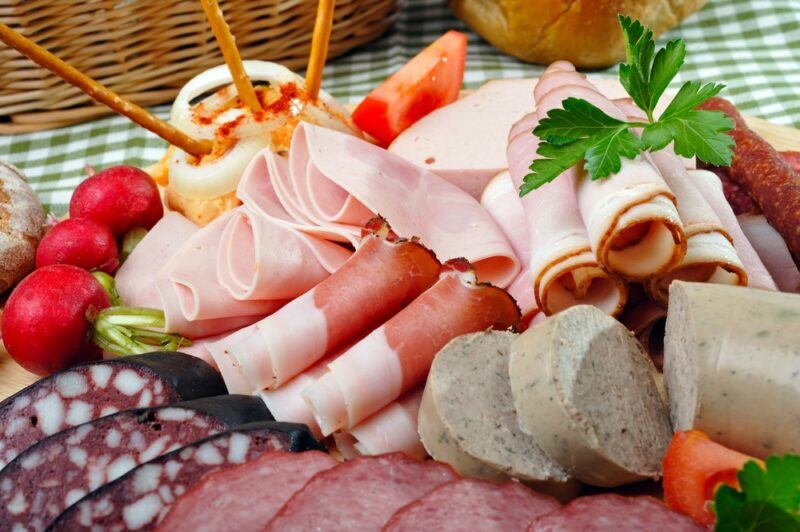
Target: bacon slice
[(381, 277), (632, 221), (563, 268), (393, 429), (397, 356), (260, 259), (711, 187), (333, 183), (771, 248)]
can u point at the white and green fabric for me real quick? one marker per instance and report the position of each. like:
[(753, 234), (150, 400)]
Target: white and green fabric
[(753, 46)]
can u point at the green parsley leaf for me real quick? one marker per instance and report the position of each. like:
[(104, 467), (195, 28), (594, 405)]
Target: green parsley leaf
[(556, 159), (769, 499), (578, 119), (605, 156)]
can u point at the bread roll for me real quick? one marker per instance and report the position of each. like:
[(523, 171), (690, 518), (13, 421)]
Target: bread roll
[(21, 221), (585, 32)]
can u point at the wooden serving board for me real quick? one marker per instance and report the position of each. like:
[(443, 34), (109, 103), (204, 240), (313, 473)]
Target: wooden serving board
[(13, 378)]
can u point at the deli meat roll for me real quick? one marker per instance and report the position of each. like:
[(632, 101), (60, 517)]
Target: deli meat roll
[(88, 391), (48, 477)]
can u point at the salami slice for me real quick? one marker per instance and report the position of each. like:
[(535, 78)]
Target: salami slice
[(139, 499), (224, 500), (360, 495), (613, 513), (486, 506), (50, 476), (89, 391)]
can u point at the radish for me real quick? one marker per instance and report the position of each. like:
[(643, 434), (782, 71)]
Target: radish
[(81, 242), (119, 197), (61, 315)]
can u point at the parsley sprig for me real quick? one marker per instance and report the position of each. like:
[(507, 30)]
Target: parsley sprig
[(769, 498), (581, 132)]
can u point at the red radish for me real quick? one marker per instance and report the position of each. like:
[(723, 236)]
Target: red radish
[(47, 321), (81, 242), (120, 197)]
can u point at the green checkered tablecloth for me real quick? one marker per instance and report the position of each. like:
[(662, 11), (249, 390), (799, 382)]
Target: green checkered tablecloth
[(751, 45)]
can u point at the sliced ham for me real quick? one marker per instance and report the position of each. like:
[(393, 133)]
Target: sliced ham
[(710, 186), (380, 278), (397, 356), (501, 200), (772, 250), (563, 268), (333, 183), (260, 259), (631, 218), (224, 500), (393, 429)]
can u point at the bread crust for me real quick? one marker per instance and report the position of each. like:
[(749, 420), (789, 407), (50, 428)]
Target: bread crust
[(584, 32), (21, 223)]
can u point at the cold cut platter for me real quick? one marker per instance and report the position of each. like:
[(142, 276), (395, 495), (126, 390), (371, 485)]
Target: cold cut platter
[(520, 308)]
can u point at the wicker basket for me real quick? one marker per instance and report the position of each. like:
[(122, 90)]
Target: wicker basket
[(147, 49)]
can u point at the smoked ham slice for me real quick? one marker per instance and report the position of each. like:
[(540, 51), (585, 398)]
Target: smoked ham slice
[(397, 356), (772, 250), (631, 218), (333, 183), (380, 278), (393, 429)]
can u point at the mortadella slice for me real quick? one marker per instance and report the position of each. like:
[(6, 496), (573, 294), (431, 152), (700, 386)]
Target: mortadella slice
[(710, 186), (397, 356), (393, 429), (261, 259), (379, 279), (772, 250), (631, 218), (333, 183)]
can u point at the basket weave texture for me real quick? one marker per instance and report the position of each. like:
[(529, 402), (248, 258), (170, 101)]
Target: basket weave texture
[(146, 50)]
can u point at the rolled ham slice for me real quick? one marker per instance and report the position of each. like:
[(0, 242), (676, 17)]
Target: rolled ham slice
[(393, 429), (710, 186), (501, 200), (397, 356), (380, 278), (772, 249), (563, 268), (631, 217), (261, 259), (333, 183)]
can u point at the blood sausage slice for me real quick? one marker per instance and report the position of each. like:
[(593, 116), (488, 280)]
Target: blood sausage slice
[(225, 500), (88, 391), (360, 495)]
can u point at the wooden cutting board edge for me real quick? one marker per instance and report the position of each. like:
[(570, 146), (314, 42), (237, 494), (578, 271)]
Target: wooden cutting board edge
[(13, 377)]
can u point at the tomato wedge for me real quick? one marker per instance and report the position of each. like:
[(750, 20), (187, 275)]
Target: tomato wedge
[(694, 467), (430, 80)]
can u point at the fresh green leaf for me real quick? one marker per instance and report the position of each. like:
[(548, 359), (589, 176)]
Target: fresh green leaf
[(769, 499), (695, 133), (666, 66), (690, 95), (578, 119), (555, 160), (604, 157)]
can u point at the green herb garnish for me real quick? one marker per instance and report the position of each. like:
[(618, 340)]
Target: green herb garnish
[(581, 132), (769, 498)]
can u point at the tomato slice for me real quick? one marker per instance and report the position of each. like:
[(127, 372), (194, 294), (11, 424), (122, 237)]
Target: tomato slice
[(430, 80)]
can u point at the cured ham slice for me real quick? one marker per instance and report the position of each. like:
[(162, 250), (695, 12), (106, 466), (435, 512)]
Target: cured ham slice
[(711, 187), (333, 183), (631, 218), (142, 283), (773, 251), (380, 278), (563, 268), (260, 259), (501, 200), (397, 356), (393, 429)]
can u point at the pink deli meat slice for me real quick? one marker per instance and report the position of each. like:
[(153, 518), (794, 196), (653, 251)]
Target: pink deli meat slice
[(772, 250), (225, 500), (613, 513), (360, 495), (393, 429), (333, 183), (484, 506)]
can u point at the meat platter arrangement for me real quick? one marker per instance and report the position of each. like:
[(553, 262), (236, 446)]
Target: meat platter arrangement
[(564, 303)]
